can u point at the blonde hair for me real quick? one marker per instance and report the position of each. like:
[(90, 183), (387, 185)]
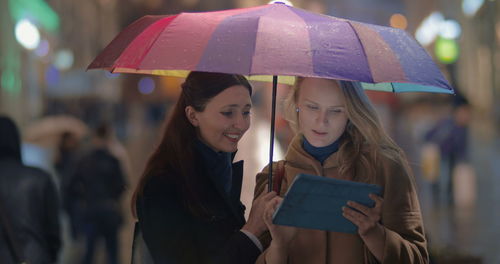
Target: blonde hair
[(364, 138)]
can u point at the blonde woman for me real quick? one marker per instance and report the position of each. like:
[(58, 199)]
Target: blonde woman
[(339, 135)]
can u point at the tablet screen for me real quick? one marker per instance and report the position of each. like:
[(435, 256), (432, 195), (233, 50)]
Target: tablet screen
[(316, 202)]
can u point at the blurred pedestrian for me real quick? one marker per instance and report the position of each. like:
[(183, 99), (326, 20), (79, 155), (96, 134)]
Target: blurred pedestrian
[(451, 137), (96, 189), (29, 209), (67, 150), (65, 163), (339, 135), (188, 199)]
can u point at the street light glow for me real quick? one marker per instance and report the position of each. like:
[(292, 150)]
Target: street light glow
[(429, 29), (27, 34), (435, 25), (470, 7), (450, 29), (64, 59)]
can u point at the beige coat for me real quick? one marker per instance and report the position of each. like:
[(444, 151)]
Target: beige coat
[(401, 217)]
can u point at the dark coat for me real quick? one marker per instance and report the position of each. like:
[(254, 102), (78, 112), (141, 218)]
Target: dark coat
[(95, 189), (30, 203), (174, 235)]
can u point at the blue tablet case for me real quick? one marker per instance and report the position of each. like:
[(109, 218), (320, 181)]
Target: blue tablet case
[(316, 202)]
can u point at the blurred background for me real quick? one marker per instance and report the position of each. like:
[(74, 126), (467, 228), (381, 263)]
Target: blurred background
[(452, 142)]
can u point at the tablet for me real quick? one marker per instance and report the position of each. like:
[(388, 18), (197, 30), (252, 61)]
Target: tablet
[(316, 202)]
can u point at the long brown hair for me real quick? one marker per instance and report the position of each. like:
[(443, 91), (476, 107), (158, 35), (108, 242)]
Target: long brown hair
[(174, 156), (364, 139)]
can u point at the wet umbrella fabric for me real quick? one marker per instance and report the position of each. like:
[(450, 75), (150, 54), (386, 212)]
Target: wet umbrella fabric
[(274, 40)]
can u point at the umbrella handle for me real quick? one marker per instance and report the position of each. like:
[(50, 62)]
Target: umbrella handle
[(271, 143)]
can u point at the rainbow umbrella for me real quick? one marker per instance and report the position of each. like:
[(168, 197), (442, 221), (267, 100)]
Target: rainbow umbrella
[(270, 41)]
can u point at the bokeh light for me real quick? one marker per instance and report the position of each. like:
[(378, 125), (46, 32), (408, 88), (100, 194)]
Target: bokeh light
[(450, 29), (470, 7), (7, 80), (52, 76), (146, 85), (43, 48), (170, 86), (27, 34), (63, 59), (398, 21), (435, 25), (446, 50), (288, 3)]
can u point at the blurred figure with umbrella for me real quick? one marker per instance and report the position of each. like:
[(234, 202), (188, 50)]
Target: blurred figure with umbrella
[(53, 143), (339, 135), (42, 143), (29, 207), (48, 130)]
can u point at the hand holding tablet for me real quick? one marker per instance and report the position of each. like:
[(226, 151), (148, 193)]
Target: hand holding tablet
[(316, 202)]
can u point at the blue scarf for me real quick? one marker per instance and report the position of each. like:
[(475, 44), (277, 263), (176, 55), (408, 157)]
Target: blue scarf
[(218, 165), (321, 153)]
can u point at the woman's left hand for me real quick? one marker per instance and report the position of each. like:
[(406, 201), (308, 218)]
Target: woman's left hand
[(366, 219), (368, 222)]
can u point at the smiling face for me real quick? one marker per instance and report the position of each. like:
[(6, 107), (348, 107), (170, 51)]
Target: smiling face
[(224, 120), (322, 113)]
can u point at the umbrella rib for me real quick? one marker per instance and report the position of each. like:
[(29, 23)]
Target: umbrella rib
[(362, 49), (254, 47), (255, 44)]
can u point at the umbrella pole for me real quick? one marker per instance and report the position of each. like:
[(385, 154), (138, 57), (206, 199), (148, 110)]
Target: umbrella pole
[(271, 140)]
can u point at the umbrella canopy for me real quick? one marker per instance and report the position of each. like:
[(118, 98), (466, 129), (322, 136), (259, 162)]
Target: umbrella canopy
[(274, 39)]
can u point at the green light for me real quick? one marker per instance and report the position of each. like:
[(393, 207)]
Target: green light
[(11, 74), (37, 10), (8, 81), (10, 60), (446, 50)]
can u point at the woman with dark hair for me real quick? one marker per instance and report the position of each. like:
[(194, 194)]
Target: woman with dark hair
[(188, 199)]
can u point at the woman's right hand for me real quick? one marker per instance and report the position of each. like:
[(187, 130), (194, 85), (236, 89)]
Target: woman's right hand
[(255, 225), (281, 235)]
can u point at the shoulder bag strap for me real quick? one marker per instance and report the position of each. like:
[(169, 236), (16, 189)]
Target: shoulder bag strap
[(278, 176)]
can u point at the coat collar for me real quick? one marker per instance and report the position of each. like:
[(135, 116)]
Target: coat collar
[(300, 158), (207, 157)]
